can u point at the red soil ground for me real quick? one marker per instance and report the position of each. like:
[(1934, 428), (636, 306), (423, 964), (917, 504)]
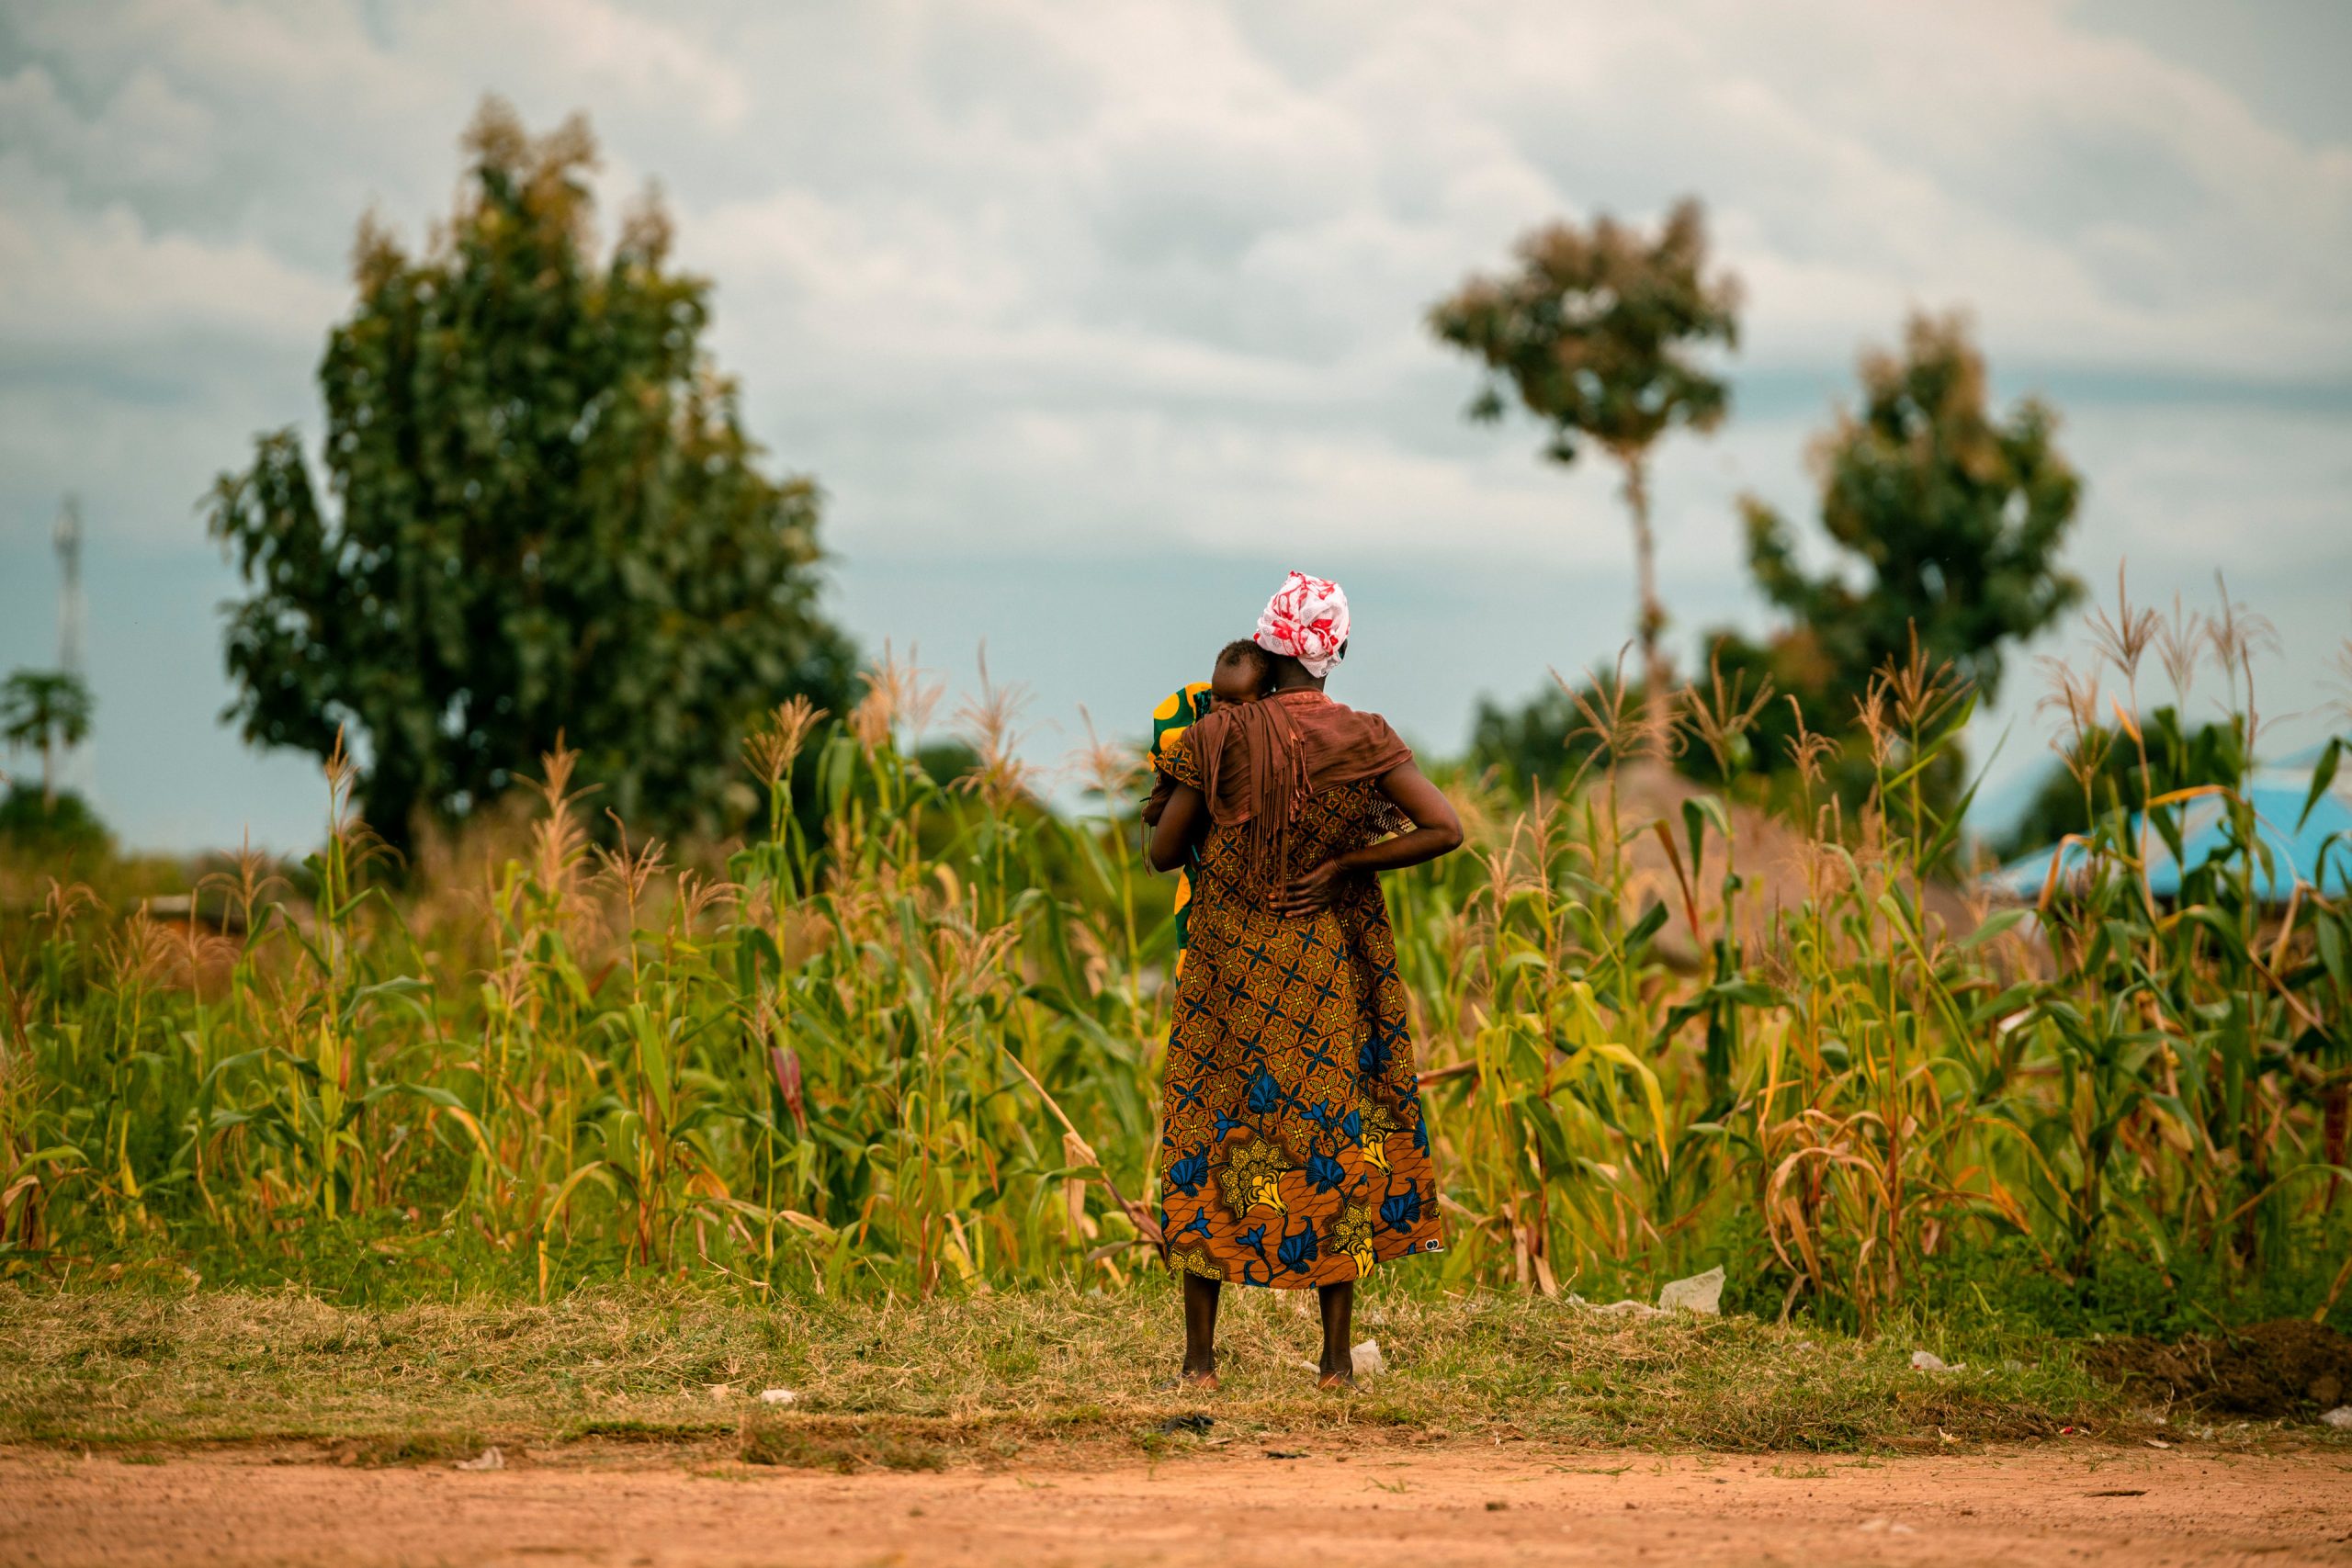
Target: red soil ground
[(1381, 1508)]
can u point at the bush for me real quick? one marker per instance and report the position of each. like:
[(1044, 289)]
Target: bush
[(64, 833)]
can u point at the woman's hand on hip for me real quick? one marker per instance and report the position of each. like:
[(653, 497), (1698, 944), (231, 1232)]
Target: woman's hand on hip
[(1437, 830), (1312, 893)]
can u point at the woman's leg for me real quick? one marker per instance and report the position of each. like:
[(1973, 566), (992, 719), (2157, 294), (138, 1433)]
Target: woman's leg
[(1200, 1329), (1339, 1302)]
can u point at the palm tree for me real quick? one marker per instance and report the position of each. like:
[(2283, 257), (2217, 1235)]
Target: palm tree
[(45, 708), (1595, 332)]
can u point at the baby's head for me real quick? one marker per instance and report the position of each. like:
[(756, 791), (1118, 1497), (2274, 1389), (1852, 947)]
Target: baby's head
[(1243, 673)]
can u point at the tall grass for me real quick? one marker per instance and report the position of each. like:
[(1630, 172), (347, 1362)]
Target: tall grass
[(909, 1037)]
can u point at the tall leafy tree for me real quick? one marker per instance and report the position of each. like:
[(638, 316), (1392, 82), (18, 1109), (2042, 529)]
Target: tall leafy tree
[(1598, 333), (542, 518), (1948, 519), (46, 709)]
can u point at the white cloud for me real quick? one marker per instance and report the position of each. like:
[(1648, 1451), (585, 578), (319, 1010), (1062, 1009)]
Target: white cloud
[(1079, 281), (150, 137), (604, 45), (102, 282)]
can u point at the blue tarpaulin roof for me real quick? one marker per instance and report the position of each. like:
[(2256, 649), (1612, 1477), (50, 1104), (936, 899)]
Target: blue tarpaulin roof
[(2276, 794)]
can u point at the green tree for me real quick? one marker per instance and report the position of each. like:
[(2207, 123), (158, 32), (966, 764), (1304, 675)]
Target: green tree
[(1950, 520), (547, 519), (49, 709), (1596, 332)]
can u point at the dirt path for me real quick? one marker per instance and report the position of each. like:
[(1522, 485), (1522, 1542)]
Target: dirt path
[(1379, 1508)]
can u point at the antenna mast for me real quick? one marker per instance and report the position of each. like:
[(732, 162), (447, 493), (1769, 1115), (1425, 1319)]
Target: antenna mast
[(72, 614)]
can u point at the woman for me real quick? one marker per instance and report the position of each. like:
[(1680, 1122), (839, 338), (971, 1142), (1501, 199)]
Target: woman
[(1294, 1152)]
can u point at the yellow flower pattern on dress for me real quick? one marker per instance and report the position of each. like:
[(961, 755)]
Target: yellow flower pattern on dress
[(1252, 1178), (1377, 1125), (1352, 1235)]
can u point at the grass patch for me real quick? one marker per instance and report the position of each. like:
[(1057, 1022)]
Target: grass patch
[(801, 1444), (412, 1445), (892, 1384)]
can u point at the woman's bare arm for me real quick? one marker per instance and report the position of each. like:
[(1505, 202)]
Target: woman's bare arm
[(1436, 831), (1180, 821), (1163, 786)]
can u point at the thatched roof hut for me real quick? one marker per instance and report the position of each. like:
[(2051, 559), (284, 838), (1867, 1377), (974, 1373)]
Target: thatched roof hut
[(1781, 868)]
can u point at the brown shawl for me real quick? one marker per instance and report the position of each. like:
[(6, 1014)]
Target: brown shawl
[(1258, 761)]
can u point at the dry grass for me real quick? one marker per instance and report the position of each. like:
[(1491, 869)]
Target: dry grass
[(900, 1386)]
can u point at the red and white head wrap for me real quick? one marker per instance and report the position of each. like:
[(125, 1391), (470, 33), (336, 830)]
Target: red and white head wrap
[(1307, 619)]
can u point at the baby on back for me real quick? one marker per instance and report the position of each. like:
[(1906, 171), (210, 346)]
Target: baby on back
[(1243, 673)]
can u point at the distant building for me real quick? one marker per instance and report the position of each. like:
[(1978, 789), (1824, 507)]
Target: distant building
[(2314, 851)]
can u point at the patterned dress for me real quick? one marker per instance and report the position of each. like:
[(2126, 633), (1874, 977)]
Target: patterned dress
[(1294, 1152)]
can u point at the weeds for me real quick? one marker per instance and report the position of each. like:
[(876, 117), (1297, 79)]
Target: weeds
[(906, 1040)]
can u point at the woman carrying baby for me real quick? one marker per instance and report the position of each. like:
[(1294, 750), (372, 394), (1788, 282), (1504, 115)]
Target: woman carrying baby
[(1292, 1151)]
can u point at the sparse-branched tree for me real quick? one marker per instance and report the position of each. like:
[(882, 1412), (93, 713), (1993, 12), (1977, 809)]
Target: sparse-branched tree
[(1599, 333)]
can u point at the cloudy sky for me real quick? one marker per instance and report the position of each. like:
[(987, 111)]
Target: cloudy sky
[(1092, 318)]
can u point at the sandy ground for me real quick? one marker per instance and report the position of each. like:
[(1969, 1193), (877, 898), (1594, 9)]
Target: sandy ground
[(1374, 1506)]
